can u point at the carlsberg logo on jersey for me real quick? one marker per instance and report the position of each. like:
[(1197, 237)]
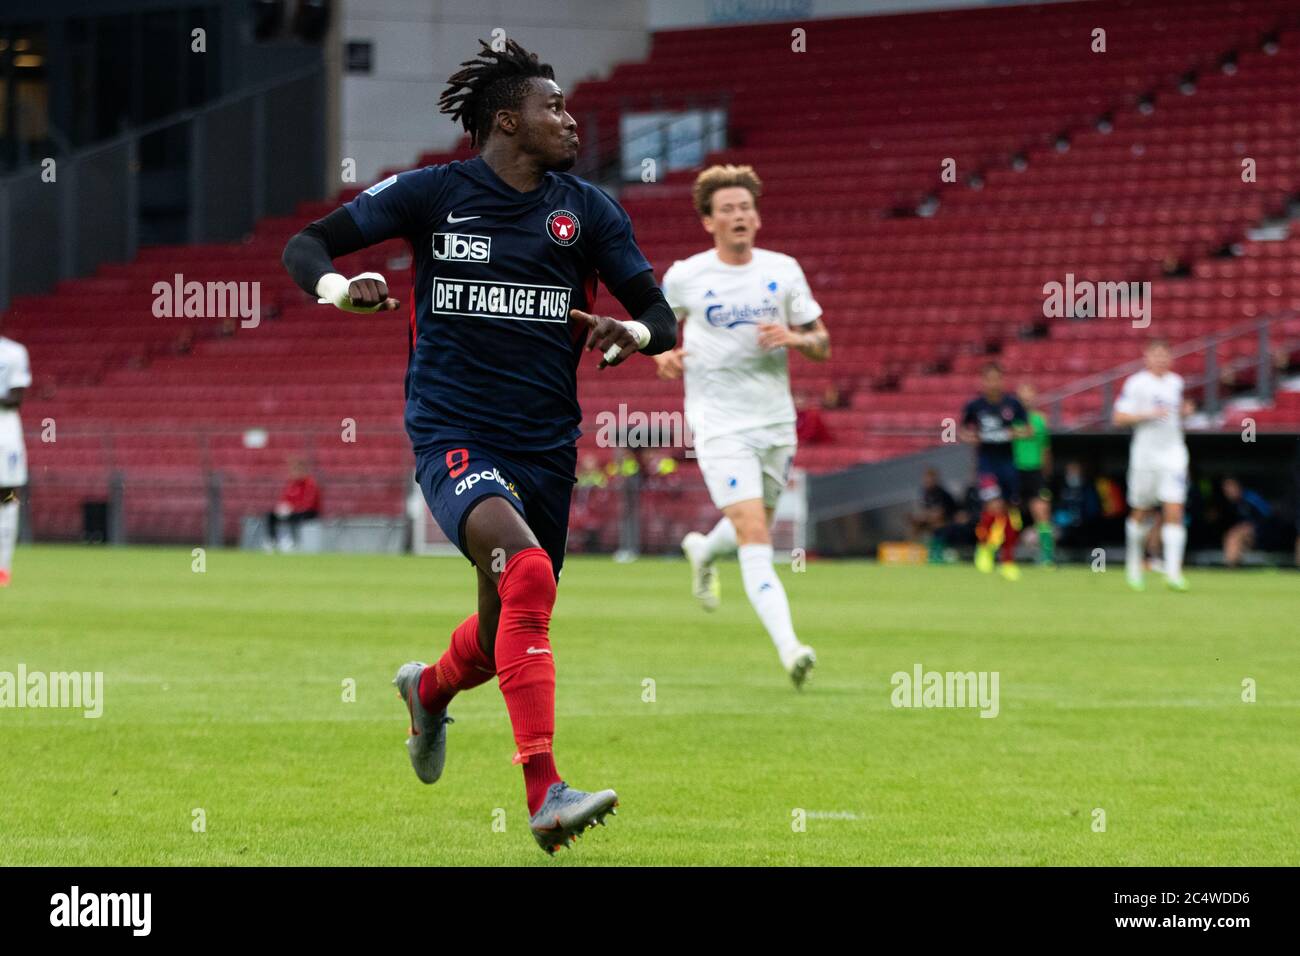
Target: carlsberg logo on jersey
[(500, 300), (454, 247), (730, 316)]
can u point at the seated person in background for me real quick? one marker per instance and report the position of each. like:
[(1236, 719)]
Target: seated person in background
[(809, 425), (1077, 507), (1247, 514), (299, 502), (934, 514)]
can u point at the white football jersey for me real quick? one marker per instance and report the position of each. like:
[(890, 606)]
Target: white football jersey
[(732, 384), (1157, 444), (15, 372)]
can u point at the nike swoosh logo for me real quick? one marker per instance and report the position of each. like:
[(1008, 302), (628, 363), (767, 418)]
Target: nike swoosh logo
[(452, 217), (537, 650)]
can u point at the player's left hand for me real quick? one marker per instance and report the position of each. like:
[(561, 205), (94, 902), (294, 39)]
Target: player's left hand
[(773, 335), (605, 334)]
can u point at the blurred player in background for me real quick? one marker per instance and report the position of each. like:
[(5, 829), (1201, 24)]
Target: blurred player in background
[(991, 421), (1152, 403), (742, 308), (1033, 457), (15, 377), (497, 329)]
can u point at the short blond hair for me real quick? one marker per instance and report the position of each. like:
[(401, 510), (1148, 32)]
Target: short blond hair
[(723, 177)]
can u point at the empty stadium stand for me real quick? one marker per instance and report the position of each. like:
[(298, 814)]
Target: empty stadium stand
[(1123, 165)]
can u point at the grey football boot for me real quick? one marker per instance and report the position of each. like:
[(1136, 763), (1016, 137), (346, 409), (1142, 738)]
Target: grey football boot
[(566, 813), (427, 744)]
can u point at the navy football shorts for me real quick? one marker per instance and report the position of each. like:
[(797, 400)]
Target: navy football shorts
[(456, 475), (1004, 473)]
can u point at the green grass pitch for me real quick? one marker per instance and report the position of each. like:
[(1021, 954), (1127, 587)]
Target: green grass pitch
[(224, 691)]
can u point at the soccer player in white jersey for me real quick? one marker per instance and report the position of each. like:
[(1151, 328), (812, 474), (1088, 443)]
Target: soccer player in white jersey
[(1152, 403), (15, 376), (743, 308)]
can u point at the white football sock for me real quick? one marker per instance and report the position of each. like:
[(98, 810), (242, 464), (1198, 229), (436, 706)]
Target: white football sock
[(768, 596), (8, 533), (1174, 538), (721, 540), (1135, 539)]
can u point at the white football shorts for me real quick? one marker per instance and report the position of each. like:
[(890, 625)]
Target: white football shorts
[(746, 465), (1152, 487)]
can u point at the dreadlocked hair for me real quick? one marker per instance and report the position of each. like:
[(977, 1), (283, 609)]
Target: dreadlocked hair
[(493, 80)]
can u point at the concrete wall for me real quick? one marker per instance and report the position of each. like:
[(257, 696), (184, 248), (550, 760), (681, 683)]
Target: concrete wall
[(390, 116)]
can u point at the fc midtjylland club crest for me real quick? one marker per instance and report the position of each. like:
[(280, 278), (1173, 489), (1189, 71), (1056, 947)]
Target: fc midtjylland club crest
[(562, 226)]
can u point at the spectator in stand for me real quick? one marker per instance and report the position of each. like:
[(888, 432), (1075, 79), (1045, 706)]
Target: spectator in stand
[(809, 425), (590, 474), (1248, 516), (299, 502), (1077, 508), (935, 513)]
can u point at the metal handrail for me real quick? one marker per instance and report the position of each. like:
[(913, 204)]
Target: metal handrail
[(1208, 343)]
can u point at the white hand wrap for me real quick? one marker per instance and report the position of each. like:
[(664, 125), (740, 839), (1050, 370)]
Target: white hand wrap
[(639, 332), (333, 290)]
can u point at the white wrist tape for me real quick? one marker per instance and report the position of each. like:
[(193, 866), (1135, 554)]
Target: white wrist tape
[(639, 332), (332, 289)]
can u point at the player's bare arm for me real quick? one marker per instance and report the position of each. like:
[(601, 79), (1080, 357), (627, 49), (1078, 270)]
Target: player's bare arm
[(670, 364), (14, 399), (1127, 419), (813, 343)]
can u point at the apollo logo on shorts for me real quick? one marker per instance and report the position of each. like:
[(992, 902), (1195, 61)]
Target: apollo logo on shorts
[(488, 474), (457, 247), (563, 227)]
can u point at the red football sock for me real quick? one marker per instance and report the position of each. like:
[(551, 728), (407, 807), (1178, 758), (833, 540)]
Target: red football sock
[(539, 774), (463, 666), (1009, 542), (525, 670)]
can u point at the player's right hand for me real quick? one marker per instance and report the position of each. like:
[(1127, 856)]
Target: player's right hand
[(670, 363), (365, 293)]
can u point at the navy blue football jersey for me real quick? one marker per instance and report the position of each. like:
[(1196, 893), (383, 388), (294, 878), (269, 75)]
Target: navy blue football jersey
[(993, 422), (494, 355)]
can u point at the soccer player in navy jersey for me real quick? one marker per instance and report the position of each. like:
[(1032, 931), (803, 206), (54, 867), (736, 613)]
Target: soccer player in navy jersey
[(992, 420), (507, 248)]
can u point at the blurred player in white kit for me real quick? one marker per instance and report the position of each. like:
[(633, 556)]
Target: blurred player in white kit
[(742, 309), (15, 377), (1152, 403)]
